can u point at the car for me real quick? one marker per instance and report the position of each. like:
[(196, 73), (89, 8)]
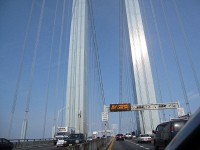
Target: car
[(119, 137), (61, 142), (165, 132), (144, 138), (103, 137), (188, 136), (5, 144), (89, 139), (128, 136), (76, 139)]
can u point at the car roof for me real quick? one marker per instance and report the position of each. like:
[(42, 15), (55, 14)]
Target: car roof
[(174, 120)]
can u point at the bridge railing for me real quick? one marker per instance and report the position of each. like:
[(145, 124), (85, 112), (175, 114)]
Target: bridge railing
[(18, 143), (100, 144)]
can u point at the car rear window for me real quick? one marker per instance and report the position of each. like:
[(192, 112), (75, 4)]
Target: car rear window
[(119, 134)]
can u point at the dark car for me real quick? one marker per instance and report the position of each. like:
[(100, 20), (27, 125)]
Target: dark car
[(188, 137), (119, 137), (5, 144), (76, 139), (165, 132)]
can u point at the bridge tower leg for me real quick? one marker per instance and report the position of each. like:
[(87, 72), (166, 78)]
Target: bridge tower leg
[(76, 81), (141, 66)]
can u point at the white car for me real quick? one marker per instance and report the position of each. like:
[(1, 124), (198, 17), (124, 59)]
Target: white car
[(89, 139), (61, 142), (128, 136), (146, 138)]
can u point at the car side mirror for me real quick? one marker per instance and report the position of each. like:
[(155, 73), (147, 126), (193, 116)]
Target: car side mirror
[(153, 131)]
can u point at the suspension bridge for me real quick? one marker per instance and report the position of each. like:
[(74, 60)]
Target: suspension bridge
[(63, 62)]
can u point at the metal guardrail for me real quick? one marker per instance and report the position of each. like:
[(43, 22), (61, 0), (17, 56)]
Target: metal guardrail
[(20, 143), (98, 144)]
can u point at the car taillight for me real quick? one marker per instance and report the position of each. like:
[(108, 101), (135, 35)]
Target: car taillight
[(172, 129)]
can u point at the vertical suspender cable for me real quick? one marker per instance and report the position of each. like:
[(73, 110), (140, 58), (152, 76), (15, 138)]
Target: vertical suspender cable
[(33, 62), (20, 71), (49, 71), (177, 63), (188, 49)]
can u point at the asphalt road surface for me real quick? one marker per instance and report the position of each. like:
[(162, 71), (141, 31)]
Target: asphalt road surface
[(131, 144)]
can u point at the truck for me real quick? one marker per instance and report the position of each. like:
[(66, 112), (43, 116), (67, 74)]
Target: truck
[(63, 132), (95, 135)]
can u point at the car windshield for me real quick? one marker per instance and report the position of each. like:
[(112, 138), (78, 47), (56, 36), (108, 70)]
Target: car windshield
[(62, 138), (61, 133), (119, 134), (75, 136)]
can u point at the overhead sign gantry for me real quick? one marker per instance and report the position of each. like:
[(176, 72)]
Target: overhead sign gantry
[(129, 107)]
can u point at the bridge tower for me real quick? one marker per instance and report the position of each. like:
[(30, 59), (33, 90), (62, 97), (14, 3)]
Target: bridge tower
[(76, 81), (141, 66)]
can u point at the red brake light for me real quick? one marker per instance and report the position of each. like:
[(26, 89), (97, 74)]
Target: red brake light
[(172, 129)]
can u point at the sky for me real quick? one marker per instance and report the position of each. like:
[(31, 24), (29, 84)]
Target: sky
[(14, 16)]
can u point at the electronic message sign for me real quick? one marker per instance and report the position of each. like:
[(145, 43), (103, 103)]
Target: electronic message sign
[(120, 107)]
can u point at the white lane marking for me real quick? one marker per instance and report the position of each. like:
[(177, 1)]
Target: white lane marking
[(141, 146), (138, 145)]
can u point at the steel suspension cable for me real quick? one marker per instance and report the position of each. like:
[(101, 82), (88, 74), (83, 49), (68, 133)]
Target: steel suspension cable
[(130, 66), (96, 49), (188, 49), (177, 63), (20, 71), (49, 71), (161, 52), (121, 46), (59, 58), (153, 57), (34, 61)]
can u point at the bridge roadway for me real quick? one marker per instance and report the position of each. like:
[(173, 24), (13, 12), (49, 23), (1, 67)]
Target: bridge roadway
[(115, 145)]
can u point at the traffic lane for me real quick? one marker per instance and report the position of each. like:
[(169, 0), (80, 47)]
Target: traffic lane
[(131, 144), (148, 145)]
